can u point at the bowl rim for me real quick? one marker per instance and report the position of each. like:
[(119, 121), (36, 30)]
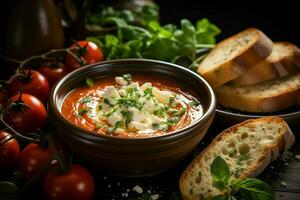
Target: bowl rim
[(177, 133)]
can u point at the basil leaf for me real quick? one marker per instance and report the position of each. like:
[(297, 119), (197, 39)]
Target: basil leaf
[(220, 170), (252, 188)]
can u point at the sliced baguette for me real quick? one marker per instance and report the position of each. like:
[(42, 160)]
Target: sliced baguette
[(284, 60), (235, 55), (247, 148), (270, 96)]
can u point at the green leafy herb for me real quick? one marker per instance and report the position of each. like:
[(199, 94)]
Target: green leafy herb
[(233, 189), (127, 78), (118, 124), (85, 100), (148, 92), (82, 111), (106, 101), (220, 173), (155, 126), (171, 101), (194, 103), (172, 121), (89, 82), (128, 116), (169, 43), (130, 103), (100, 107)]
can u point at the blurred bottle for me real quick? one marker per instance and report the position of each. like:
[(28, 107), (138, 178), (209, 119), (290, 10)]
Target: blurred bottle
[(34, 27)]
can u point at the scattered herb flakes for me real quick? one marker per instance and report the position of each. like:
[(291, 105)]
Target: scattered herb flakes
[(194, 103), (127, 77), (148, 92), (128, 116), (85, 100), (155, 126), (89, 82), (82, 111), (100, 107), (171, 101)]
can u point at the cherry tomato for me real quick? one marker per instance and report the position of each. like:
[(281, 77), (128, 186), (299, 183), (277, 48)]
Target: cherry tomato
[(53, 72), (77, 183), (32, 82), (9, 150), (33, 159), (88, 53), (26, 116)]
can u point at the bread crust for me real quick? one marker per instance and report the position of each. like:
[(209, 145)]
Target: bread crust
[(254, 52), (274, 66), (237, 97)]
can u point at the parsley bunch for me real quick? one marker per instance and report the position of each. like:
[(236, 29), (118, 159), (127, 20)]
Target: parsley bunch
[(245, 189)]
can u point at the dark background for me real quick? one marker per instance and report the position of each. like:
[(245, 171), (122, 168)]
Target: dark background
[(280, 20)]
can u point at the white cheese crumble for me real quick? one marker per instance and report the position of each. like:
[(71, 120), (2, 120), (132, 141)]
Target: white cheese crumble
[(134, 108), (137, 189)]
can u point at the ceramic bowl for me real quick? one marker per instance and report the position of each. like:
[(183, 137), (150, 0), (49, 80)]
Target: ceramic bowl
[(132, 156)]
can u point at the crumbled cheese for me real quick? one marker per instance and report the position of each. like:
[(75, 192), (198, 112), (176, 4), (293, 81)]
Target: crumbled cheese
[(142, 109), (154, 197), (113, 119), (137, 189), (297, 157), (121, 81), (283, 184)]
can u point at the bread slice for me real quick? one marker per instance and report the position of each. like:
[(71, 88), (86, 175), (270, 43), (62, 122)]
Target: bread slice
[(270, 96), (247, 148), (235, 55), (284, 60)]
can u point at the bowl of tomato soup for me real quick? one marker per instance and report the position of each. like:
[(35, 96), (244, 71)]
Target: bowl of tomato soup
[(132, 117)]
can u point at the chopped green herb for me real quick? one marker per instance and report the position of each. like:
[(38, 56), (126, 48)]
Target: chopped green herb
[(232, 152), (82, 111), (128, 116), (194, 103), (172, 121), (155, 126), (130, 103), (100, 107), (148, 91), (242, 158), (85, 100), (171, 101), (179, 113), (118, 124), (89, 82), (159, 113), (127, 78), (98, 126), (106, 101)]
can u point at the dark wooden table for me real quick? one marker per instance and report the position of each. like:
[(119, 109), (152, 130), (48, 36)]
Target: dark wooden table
[(283, 174)]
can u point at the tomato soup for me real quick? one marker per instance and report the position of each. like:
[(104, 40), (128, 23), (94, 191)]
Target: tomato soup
[(131, 106)]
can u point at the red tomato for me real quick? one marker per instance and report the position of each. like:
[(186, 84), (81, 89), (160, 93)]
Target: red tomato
[(75, 184), (53, 72), (88, 54), (33, 158), (32, 82), (28, 117), (9, 150)]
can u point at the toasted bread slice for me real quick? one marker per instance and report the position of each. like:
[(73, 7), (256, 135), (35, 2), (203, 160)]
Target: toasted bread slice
[(234, 56), (284, 60), (270, 96), (247, 148)]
